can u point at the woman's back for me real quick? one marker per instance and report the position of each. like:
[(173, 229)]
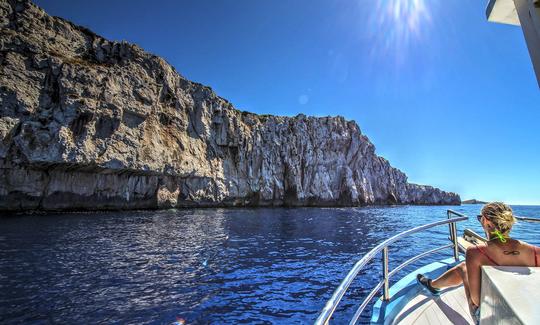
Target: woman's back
[(511, 253)]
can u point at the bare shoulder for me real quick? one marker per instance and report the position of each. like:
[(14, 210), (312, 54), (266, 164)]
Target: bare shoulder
[(476, 248), (473, 251), (535, 248), (531, 246)]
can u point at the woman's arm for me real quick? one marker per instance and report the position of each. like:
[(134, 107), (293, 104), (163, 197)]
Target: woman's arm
[(472, 260)]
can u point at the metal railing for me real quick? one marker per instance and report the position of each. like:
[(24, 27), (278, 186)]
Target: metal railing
[(338, 294), (528, 219)]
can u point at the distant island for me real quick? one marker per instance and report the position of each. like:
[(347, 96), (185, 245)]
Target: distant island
[(473, 201)]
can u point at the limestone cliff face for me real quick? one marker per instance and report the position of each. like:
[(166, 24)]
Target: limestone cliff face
[(87, 123)]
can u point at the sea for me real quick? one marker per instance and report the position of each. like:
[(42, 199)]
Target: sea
[(208, 266)]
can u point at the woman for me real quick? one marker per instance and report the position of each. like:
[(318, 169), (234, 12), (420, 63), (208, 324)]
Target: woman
[(497, 220)]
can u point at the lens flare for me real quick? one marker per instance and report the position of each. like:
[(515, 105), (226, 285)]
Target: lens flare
[(396, 25)]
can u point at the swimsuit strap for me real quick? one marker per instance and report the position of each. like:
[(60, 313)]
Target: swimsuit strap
[(486, 255), (535, 256)]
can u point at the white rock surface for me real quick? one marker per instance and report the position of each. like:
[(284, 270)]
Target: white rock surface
[(87, 123)]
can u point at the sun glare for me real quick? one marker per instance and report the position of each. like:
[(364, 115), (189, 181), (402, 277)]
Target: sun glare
[(396, 25)]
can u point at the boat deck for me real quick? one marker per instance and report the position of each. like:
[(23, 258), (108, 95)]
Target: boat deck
[(413, 304), (449, 308)]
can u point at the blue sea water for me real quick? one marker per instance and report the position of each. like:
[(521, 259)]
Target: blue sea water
[(206, 266)]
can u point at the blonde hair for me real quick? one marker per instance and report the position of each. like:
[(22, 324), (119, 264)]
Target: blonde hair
[(500, 215)]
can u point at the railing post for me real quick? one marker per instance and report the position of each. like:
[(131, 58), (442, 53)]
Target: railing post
[(386, 295), (448, 213), (454, 240)]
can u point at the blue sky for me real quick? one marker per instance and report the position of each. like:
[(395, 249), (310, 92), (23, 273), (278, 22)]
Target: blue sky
[(445, 96)]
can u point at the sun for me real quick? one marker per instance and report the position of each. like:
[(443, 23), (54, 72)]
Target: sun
[(395, 25)]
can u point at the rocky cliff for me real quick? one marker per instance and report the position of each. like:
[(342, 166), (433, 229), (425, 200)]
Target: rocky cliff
[(87, 123)]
